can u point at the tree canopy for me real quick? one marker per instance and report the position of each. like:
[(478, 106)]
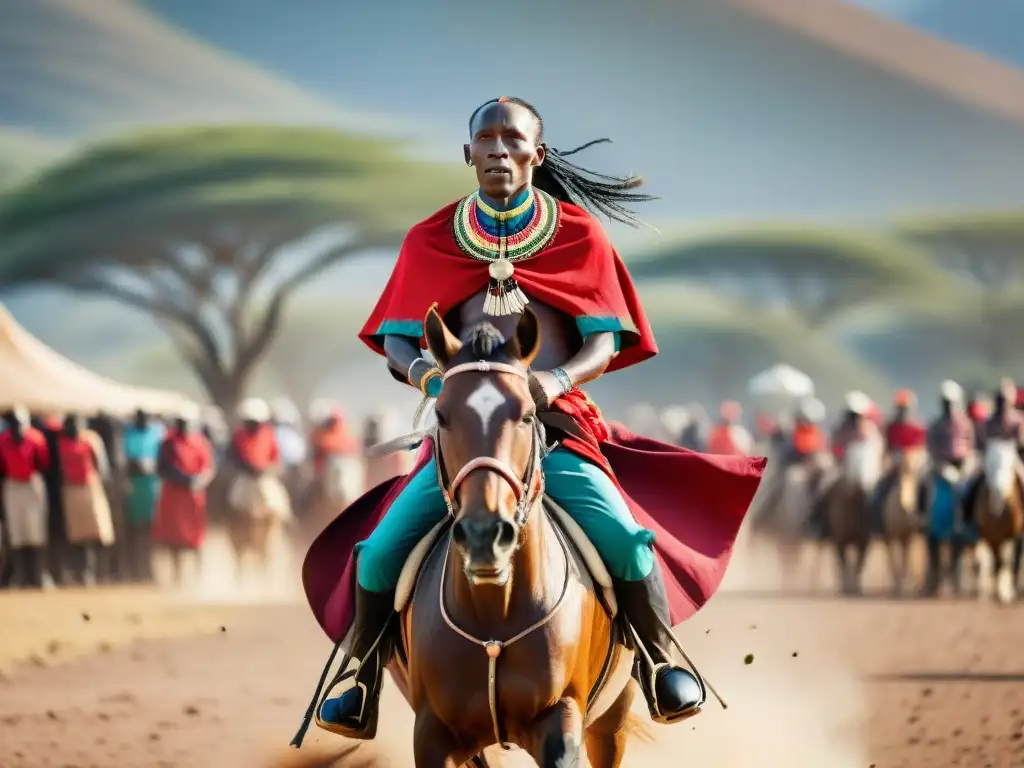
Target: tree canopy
[(817, 272), (212, 229)]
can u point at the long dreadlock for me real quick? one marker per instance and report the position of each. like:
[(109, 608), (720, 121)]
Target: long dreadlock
[(564, 180)]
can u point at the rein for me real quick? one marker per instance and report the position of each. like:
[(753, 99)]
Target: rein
[(525, 501)]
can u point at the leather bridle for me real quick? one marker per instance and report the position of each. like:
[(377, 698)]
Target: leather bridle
[(527, 489)]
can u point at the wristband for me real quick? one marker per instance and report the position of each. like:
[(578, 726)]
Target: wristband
[(564, 380), (408, 374), (431, 383)]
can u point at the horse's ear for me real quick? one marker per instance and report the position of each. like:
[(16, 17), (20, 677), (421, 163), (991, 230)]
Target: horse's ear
[(525, 343), (442, 343)]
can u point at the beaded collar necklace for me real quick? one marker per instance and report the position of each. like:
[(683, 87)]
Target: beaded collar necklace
[(501, 238)]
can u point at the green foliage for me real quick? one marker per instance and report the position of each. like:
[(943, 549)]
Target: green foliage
[(818, 272)]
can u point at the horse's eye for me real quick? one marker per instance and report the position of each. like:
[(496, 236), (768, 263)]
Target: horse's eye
[(529, 418)]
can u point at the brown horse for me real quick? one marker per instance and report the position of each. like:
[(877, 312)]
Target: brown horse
[(901, 521), (998, 511), (848, 510), (505, 638), (258, 509)]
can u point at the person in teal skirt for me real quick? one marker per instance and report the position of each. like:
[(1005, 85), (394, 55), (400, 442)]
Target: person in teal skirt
[(142, 440)]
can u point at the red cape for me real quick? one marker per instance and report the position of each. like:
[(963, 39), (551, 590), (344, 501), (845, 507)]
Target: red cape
[(693, 502), (579, 273)]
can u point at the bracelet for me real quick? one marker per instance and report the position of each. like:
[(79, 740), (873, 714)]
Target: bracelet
[(431, 376), (563, 379), (408, 374)]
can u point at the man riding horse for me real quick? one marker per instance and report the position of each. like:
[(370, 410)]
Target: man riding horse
[(519, 240), (1005, 423)]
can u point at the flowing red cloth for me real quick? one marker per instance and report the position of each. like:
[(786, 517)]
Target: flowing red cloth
[(902, 435), (578, 273), (693, 502), (181, 512)]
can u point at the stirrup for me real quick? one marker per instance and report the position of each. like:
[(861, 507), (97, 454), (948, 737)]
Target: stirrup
[(650, 692), (368, 728)]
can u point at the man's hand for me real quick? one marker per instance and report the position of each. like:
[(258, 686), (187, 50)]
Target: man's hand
[(545, 388)]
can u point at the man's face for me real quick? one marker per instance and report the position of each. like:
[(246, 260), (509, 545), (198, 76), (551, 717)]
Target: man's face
[(504, 149)]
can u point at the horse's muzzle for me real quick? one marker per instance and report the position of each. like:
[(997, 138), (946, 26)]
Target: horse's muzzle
[(487, 543)]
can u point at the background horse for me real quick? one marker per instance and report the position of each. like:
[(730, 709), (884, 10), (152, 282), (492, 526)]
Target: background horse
[(258, 509), (901, 520), (847, 508), (998, 512), (560, 675), (330, 491)]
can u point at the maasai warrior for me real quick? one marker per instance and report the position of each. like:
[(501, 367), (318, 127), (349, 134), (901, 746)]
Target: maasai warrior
[(903, 432), (255, 458), (24, 456), (330, 436), (855, 423), (186, 467), (142, 439), (1005, 423), (729, 437), (522, 239), (87, 518)]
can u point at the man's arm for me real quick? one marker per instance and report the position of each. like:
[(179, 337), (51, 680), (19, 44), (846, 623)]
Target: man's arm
[(593, 359), (406, 363)]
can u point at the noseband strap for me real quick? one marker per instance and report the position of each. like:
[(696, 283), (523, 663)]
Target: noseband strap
[(482, 366), (495, 465)]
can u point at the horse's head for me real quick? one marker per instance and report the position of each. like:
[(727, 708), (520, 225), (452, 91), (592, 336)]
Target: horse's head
[(1000, 469), (488, 440)]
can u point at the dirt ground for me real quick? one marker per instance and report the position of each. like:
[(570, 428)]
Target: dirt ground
[(836, 683)]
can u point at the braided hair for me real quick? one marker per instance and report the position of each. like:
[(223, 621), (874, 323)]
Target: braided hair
[(564, 180)]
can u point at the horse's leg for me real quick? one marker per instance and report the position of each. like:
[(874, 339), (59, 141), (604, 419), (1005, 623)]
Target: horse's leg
[(556, 737), (433, 744), (892, 549), (1006, 588), (606, 737), (844, 579), (986, 563), (860, 557)]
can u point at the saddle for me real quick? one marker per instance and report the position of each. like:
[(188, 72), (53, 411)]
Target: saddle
[(584, 554)]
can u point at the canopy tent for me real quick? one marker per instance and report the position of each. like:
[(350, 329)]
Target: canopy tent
[(33, 375), (783, 380)]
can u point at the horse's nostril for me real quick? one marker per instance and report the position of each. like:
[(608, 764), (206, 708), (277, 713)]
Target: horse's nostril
[(459, 534), (506, 538)]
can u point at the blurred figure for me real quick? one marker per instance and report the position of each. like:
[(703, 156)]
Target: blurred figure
[(951, 446), (903, 433), (1006, 423), (854, 423), (642, 419), (24, 456), (330, 438), (52, 427), (729, 437), (979, 409), (292, 445), (806, 439), (254, 458), (84, 467), (185, 465), (381, 468), (695, 434), (338, 469), (673, 420), (142, 439)]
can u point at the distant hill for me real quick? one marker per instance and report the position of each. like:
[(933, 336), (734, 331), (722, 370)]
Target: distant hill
[(90, 66), (22, 151)]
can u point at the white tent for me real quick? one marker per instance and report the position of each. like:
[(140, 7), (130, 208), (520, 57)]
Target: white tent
[(41, 379), (782, 379)]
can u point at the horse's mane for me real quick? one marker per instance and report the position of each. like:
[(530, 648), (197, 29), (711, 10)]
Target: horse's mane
[(483, 342)]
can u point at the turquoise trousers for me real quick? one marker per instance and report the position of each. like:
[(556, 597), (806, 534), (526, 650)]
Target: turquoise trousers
[(580, 487)]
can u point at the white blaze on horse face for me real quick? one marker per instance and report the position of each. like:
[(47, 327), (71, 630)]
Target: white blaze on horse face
[(1000, 470), (485, 400)]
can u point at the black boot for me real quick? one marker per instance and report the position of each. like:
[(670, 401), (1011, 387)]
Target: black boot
[(354, 712), (672, 693)]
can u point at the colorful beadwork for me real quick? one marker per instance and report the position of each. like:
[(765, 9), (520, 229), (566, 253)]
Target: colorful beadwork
[(478, 243)]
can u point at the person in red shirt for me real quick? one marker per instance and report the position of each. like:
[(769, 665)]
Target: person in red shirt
[(255, 457), (186, 467), (24, 456), (331, 437), (903, 432), (87, 517), (729, 437)]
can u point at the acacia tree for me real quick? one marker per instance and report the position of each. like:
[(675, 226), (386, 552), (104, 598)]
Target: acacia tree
[(212, 230), (986, 252), (815, 273)]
